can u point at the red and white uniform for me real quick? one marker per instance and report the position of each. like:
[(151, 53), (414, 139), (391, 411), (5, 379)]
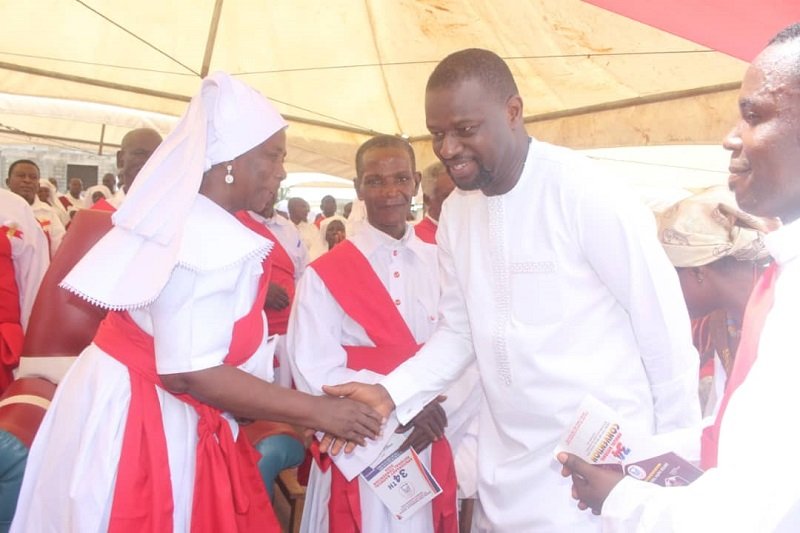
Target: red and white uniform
[(50, 222), (288, 260), (23, 261), (192, 324), (405, 274)]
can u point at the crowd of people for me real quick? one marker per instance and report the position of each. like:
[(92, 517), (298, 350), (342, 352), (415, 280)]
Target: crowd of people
[(468, 339)]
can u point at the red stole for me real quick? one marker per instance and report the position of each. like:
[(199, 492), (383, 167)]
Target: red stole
[(342, 269), (103, 205), (67, 203), (759, 305), (45, 225), (426, 230), (229, 494), (11, 334), (282, 273)]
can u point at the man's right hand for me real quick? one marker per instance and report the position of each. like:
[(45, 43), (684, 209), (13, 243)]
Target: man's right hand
[(374, 396)]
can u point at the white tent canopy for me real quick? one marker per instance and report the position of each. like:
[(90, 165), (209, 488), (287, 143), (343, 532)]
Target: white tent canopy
[(343, 70)]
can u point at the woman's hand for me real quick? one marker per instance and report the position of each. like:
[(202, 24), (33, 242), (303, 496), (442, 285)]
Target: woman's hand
[(373, 395), (348, 420)]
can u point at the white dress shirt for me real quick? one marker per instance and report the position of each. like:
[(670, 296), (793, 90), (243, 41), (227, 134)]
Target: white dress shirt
[(408, 270), (309, 234), (289, 238)]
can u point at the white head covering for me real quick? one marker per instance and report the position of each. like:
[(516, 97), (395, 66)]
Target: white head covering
[(88, 202), (225, 119), (708, 226), (321, 244), (53, 198)]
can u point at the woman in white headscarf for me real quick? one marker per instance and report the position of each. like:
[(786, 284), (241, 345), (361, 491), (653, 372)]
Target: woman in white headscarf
[(49, 195), (94, 194), (332, 231), (141, 433)]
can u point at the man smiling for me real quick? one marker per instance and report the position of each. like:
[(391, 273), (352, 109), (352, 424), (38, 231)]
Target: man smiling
[(555, 282), (740, 490)]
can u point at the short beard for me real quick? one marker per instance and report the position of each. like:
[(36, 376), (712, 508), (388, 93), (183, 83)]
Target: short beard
[(484, 178)]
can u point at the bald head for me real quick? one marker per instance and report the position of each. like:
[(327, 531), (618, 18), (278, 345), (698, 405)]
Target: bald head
[(298, 210), (765, 143), (136, 148), (787, 61), (328, 205), (484, 66)]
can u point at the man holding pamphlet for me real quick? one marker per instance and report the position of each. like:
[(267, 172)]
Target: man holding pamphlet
[(749, 453)]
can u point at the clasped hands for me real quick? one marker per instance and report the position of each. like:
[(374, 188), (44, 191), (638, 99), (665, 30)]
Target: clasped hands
[(427, 427)]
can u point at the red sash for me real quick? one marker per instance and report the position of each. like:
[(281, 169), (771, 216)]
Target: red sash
[(11, 334), (65, 202), (45, 225), (341, 269), (759, 305), (229, 494), (282, 273), (103, 205), (426, 230)]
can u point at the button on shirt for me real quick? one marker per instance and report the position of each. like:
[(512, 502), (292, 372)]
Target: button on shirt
[(319, 359)]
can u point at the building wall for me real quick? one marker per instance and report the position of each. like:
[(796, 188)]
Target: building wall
[(53, 162)]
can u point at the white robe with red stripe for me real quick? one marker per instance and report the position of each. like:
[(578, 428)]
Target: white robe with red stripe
[(408, 269), (72, 466)]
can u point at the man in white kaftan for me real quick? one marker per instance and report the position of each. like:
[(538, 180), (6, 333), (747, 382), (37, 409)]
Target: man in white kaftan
[(23, 179), (555, 282)]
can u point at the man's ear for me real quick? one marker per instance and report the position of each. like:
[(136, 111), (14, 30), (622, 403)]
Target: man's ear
[(119, 159), (417, 181), (7, 182), (514, 111)]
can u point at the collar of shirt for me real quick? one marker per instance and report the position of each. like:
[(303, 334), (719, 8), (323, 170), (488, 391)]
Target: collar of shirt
[(784, 244), (435, 222), (274, 220), (370, 240)]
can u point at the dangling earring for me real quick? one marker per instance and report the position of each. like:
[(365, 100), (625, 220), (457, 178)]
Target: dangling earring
[(229, 176)]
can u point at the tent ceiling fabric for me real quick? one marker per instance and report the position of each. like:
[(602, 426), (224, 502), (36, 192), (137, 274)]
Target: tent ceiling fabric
[(343, 70), (740, 29)]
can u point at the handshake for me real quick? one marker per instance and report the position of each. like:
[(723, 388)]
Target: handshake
[(353, 412)]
